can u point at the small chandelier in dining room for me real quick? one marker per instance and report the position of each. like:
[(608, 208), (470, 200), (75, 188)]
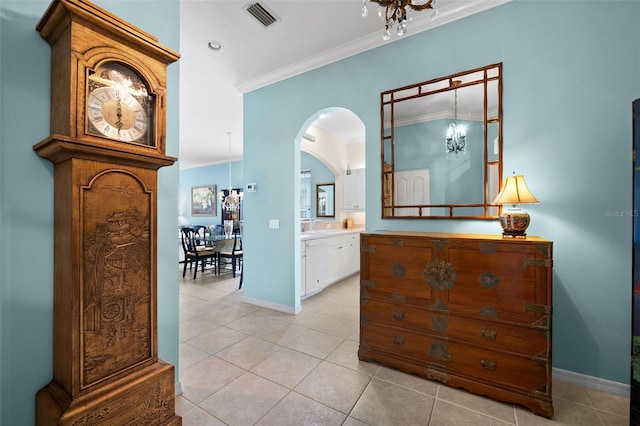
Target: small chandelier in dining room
[(232, 200), (396, 13), (456, 140)]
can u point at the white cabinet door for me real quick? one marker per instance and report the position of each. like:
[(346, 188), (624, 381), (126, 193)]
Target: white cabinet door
[(316, 259), (411, 187), (335, 253), (344, 257), (353, 190), (353, 255)]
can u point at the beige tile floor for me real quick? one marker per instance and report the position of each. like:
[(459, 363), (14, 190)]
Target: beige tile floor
[(244, 365)]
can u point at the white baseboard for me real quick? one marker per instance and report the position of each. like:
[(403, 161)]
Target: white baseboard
[(274, 306), (178, 388), (591, 382)]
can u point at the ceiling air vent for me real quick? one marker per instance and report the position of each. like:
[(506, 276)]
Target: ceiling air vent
[(259, 11)]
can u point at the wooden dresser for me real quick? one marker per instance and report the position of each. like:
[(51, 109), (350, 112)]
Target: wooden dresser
[(470, 311)]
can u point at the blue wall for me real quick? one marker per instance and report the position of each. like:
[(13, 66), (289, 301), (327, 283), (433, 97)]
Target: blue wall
[(217, 174), (570, 75), (26, 195), (422, 146)]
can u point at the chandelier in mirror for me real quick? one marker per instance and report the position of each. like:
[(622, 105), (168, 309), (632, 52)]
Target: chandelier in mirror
[(396, 13), (456, 140), (232, 200)]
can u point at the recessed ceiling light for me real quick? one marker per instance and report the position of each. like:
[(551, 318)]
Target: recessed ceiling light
[(216, 46)]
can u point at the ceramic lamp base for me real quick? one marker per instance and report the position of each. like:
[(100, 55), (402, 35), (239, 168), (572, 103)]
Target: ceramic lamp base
[(514, 223)]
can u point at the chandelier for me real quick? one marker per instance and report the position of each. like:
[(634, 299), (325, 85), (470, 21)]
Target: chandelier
[(456, 140), (232, 200), (396, 13)]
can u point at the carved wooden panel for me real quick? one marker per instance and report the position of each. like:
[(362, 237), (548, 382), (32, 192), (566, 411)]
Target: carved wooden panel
[(116, 285)]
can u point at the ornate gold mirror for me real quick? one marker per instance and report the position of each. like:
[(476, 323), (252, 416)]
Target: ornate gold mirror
[(442, 147)]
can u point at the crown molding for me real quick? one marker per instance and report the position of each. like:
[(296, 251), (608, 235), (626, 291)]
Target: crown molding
[(451, 11)]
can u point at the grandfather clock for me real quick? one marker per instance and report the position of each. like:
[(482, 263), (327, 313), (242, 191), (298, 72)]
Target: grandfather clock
[(108, 112)]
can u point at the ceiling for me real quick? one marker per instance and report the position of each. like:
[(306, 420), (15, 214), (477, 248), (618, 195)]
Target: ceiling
[(307, 35)]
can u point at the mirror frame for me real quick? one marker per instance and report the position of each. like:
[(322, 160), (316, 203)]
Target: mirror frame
[(490, 73), (333, 193)]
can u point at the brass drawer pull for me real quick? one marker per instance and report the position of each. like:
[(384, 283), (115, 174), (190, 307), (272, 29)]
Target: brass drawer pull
[(489, 364), (489, 334), (398, 315), (398, 341)]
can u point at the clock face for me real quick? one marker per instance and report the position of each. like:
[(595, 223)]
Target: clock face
[(119, 106), (117, 114)]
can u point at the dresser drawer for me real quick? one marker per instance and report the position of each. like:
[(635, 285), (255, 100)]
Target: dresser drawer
[(456, 358), (527, 341)]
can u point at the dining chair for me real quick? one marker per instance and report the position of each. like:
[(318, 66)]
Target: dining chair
[(231, 250), (201, 234), (194, 254)]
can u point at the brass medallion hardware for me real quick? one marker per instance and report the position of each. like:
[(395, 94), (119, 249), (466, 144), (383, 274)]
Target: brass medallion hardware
[(489, 334), (398, 341), (398, 269), (489, 364), (536, 307), (537, 263), (440, 274), (398, 242), (488, 248), (439, 351), (398, 315), (398, 297), (489, 312), (489, 280), (440, 323)]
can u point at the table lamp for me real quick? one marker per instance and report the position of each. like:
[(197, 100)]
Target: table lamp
[(514, 221)]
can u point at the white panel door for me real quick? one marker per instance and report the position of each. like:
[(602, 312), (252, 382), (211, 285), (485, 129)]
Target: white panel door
[(411, 187)]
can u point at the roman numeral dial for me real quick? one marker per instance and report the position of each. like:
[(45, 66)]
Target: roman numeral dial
[(116, 114)]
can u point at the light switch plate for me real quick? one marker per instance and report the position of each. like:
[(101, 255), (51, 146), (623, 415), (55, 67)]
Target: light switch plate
[(274, 223)]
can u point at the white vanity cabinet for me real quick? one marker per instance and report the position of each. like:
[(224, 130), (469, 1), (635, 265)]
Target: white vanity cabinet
[(315, 267), (344, 256), (326, 259), (353, 190)]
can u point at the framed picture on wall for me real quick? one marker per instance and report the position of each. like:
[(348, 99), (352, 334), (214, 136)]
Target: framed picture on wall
[(203, 201)]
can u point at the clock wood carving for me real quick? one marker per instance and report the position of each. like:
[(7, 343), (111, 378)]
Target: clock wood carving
[(108, 114)]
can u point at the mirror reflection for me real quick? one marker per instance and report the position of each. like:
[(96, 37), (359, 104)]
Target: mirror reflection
[(442, 146), (325, 200)]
